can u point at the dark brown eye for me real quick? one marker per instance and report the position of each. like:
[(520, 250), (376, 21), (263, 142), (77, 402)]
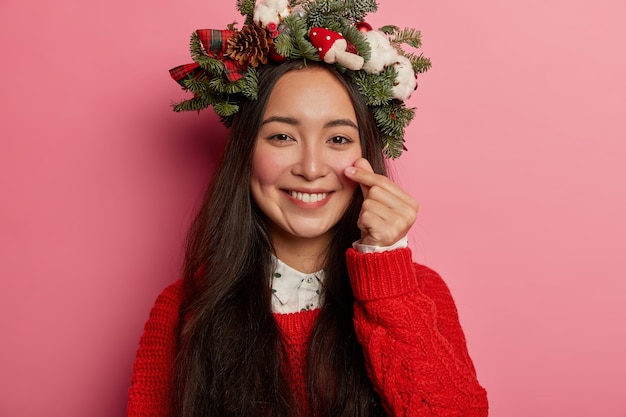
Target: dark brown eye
[(280, 137), (339, 140)]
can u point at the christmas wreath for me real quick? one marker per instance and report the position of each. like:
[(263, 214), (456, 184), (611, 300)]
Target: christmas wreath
[(223, 72)]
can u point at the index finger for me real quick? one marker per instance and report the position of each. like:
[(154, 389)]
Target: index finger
[(360, 164), (363, 174)]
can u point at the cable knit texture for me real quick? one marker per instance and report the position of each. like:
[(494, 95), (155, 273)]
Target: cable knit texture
[(405, 319), (408, 325)]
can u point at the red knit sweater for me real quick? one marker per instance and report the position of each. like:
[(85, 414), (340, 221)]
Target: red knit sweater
[(405, 319)]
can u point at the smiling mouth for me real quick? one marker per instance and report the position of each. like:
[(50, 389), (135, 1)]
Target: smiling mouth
[(308, 198)]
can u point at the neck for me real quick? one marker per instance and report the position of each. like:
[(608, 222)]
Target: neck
[(306, 255)]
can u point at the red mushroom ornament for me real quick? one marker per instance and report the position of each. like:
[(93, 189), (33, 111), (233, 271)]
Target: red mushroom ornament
[(332, 48)]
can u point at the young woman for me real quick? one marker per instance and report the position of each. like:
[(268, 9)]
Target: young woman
[(299, 296)]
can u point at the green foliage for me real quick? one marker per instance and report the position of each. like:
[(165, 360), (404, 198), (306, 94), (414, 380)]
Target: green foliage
[(355, 37), (198, 54), (356, 10), (419, 62), (246, 8), (392, 146), (225, 109), (211, 87), (319, 13), (325, 13), (199, 86), (392, 118), (224, 87), (193, 104), (284, 44), (375, 88), (294, 42), (249, 84), (409, 36)]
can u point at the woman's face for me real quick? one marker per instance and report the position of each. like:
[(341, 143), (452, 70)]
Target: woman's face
[(308, 135)]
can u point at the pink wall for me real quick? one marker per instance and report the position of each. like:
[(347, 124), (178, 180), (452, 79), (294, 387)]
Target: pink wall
[(516, 157)]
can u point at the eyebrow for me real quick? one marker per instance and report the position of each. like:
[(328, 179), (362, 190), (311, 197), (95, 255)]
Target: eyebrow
[(295, 122)]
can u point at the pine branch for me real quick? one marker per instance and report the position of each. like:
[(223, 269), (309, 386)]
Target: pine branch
[(419, 62), (392, 118), (294, 44), (198, 54), (358, 9), (317, 12), (193, 104), (409, 36), (250, 84), (386, 122), (337, 24), (392, 147), (199, 85), (225, 109), (246, 8), (356, 38), (325, 13), (284, 44), (247, 85), (376, 89), (224, 86)]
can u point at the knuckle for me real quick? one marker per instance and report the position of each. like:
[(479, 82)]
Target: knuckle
[(374, 191)]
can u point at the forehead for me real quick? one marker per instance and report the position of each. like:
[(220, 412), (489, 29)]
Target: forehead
[(311, 92)]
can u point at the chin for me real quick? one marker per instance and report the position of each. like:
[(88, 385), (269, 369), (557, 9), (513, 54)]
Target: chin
[(310, 232)]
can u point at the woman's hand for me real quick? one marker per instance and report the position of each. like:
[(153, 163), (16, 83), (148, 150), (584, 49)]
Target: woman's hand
[(388, 212)]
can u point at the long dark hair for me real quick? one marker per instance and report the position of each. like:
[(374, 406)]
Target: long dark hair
[(229, 361)]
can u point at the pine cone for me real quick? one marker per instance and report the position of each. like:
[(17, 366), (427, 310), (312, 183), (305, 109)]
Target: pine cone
[(249, 46)]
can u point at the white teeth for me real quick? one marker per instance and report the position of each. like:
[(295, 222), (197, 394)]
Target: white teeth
[(308, 198)]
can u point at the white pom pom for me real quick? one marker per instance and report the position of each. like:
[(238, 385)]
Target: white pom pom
[(406, 82), (382, 55), (270, 11)]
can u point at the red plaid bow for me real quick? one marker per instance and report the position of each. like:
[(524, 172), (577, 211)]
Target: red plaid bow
[(214, 43)]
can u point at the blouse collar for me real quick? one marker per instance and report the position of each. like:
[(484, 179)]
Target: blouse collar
[(294, 291)]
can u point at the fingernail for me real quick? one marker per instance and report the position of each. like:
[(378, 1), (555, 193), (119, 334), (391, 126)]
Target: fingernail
[(350, 170)]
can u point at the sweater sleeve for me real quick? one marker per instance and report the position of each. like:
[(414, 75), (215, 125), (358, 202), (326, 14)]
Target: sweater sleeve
[(415, 349), (150, 391)]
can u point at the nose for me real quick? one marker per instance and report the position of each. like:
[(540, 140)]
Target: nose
[(311, 163)]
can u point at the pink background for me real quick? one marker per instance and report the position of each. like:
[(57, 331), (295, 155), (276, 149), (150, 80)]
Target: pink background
[(516, 157)]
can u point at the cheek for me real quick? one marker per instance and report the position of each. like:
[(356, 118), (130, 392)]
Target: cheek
[(341, 164), (350, 187), (265, 169)]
